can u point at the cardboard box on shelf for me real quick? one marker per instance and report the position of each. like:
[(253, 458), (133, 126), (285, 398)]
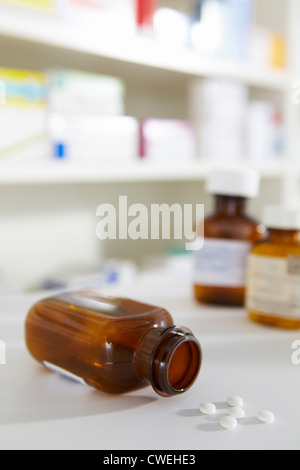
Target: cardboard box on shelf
[(94, 139), (74, 91), (44, 6), (223, 28), (103, 17), (167, 141), (86, 118), (264, 133), (218, 109), (23, 120)]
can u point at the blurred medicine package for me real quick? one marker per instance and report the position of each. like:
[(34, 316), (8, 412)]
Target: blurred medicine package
[(91, 139), (223, 28), (167, 141), (103, 17), (171, 27), (74, 91), (86, 121), (231, 126), (218, 99), (265, 133), (23, 115), (42, 6), (218, 109), (112, 272)]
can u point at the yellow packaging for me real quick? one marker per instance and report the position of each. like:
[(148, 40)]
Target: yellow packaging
[(46, 6), (22, 87), (278, 52), (23, 115)]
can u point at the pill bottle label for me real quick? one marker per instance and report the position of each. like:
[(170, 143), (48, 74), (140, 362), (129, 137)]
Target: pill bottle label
[(273, 286), (222, 263)]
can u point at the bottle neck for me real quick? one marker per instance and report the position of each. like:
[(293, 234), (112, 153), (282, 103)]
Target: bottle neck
[(169, 359), (230, 205), (286, 237)]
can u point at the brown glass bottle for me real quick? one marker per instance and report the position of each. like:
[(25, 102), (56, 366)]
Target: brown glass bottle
[(113, 344), (273, 287), (220, 267)]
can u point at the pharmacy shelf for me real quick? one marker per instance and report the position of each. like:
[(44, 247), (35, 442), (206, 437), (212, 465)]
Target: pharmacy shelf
[(133, 50), (64, 174), (71, 174)]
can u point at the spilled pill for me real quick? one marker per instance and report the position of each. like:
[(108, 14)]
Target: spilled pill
[(228, 422), (235, 401), (237, 413), (207, 408), (265, 416)]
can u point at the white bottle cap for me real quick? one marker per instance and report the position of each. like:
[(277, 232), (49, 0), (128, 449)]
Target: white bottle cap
[(239, 183), (282, 218)]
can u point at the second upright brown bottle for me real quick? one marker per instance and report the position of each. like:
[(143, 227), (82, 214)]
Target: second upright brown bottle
[(220, 266)]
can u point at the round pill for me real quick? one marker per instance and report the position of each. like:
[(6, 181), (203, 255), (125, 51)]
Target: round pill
[(235, 402), (265, 416), (237, 413), (228, 422), (207, 408)]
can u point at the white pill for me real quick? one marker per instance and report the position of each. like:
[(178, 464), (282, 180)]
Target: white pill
[(237, 413), (207, 408), (235, 401), (265, 416), (228, 422)]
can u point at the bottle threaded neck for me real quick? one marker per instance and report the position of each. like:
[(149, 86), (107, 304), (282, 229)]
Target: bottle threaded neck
[(230, 205), (169, 359)]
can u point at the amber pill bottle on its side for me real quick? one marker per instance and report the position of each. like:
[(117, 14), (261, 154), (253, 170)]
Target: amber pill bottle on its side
[(273, 285), (229, 234), (113, 344)]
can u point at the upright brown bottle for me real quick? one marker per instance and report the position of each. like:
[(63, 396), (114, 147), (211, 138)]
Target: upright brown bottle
[(113, 344), (273, 281), (229, 234)]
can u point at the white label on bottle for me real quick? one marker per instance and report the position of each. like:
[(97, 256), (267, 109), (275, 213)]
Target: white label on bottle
[(274, 286), (222, 263), (64, 373)]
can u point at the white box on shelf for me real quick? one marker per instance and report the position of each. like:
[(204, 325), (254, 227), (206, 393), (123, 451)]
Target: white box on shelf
[(171, 27), (167, 140), (265, 134), (103, 17), (220, 143), (74, 91), (217, 99), (218, 109), (94, 139), (23, 117)]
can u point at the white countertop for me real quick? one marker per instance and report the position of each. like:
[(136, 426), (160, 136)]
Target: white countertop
[(41, 410)]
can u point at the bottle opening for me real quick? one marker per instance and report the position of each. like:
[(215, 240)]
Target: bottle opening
[(176, 362), (184, 366)]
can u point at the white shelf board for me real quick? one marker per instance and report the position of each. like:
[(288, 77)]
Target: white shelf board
[(71, 174), (133, 50), (64, 174)]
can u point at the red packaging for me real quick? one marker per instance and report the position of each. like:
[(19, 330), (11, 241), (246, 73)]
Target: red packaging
[(145, 10)]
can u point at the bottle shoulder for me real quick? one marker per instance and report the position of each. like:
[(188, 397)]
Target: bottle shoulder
[(235, 227), (270, 249)]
